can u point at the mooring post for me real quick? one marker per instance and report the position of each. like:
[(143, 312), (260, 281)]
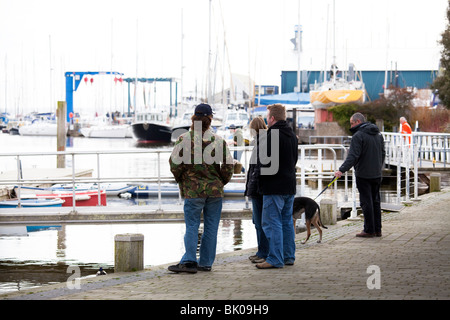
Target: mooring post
[(128, 252), (435, 182), (61, 133), (328, 213)]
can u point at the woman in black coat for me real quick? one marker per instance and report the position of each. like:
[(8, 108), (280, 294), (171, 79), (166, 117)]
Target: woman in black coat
[(251, 190)]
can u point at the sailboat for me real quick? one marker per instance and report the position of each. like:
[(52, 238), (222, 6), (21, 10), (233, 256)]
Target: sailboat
[(337, 90), (103, 128), (43, 125), (340, 88)]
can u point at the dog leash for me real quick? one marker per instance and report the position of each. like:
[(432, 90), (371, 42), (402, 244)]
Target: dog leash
[(326, 187)]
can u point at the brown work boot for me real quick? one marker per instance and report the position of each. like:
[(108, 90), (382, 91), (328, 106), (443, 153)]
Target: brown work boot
[(264, 265), (365, 235)]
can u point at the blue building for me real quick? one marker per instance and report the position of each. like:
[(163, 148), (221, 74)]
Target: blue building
[(373, 80)]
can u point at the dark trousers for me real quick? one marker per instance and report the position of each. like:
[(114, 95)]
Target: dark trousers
[(369, 198)]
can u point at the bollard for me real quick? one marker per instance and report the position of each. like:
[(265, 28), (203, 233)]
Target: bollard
[(328, 213), (435, 182), (128, 252)]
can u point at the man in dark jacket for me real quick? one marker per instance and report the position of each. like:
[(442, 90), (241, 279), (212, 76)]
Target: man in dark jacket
[(277, 183), (366, 155)]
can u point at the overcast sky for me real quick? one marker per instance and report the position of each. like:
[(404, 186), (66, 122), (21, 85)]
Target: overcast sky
[(40, 40)]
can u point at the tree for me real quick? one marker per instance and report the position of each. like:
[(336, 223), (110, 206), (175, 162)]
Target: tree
[(442, 82)]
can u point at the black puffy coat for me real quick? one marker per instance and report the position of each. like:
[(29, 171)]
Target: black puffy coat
[(366, 152), (278, 172)]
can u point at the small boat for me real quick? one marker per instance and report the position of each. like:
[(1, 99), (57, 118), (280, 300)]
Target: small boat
[(44, 124), (32, 203), (232, 189), (115, 189), (151, 190), (152, 127), (103, 128), (111, 189), (106, 131), (182, 124), (40, 128), (42, 228), (83, 196), (238, 117)]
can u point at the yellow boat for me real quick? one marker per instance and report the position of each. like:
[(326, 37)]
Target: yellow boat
[(331, 97)]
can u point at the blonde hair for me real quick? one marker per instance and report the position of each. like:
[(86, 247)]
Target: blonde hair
[(257, 124), (277, 111)]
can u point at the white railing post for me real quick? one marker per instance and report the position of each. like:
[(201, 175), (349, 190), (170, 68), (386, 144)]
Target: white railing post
[(302, 172), (98, 182), (354, 212), (407, 168), (19, 178), (159, 180), (399, 175), (416, 171), (73, 183)]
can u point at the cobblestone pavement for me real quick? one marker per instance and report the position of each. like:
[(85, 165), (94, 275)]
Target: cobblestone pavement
[(410, 261)]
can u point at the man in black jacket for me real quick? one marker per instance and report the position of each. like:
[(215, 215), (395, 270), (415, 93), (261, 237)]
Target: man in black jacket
[(366, 155), (277, 183)]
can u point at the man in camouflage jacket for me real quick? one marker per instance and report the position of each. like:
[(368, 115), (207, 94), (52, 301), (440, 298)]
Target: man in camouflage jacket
[(201, 164)]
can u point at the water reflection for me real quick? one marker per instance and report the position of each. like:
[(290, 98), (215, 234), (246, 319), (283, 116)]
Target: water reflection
[(153, 145), (42, 257)]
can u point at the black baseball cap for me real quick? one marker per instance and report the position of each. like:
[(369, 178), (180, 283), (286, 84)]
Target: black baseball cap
[(203, 109)]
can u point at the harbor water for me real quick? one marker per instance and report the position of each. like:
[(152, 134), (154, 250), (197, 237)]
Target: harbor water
[(39, 257)]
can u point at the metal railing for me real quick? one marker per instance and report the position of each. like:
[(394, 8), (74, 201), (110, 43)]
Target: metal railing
[(158, 178), (418, 147), (305, 172)]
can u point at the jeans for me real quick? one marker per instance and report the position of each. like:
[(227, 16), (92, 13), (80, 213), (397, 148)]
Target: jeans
[(212, 209), (369, 198), (263, 243), (278, 227)]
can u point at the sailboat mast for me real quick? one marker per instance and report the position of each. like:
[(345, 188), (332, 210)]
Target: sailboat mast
[(136, 79), (387, 55), (208, 92), (6, 82), (334, 42), (326, 47), (50, 69), (181, 75), (298, 50)]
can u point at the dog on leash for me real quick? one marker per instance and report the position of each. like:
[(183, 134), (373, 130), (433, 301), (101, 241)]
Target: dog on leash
[(312, 215)]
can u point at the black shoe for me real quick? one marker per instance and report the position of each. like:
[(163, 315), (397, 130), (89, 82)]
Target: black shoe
[(184, 267), (202, 268)]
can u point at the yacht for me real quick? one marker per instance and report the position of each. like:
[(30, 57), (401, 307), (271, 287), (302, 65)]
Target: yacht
[(152, 126)]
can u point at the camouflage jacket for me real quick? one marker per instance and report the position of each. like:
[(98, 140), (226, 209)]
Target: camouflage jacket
[(201, 165)]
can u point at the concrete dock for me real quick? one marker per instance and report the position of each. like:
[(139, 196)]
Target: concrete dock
[(409, 262), (111, 214)]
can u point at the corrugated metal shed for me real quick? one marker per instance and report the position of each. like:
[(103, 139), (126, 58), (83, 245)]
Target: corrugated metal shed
[(373, 80)]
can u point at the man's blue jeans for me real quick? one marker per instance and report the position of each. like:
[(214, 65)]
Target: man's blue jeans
[(279, 229), (212, 209)]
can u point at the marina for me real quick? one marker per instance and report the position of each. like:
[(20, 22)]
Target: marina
[(90, 112), (63, 235)]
